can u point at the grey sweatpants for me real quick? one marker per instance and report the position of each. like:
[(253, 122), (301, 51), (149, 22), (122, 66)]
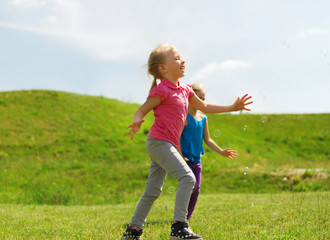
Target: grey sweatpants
[(164, 159)]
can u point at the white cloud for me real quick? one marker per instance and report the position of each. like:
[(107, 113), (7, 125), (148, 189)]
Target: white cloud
[(28, 28), (51, 19), (98, 30), (313, 32), (228, 65), (28, 3)]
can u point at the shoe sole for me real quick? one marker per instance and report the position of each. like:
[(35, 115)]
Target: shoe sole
[(177, 238), (129, 238)]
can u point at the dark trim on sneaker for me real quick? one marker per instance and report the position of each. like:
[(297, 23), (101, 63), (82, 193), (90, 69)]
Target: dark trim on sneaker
[(132, 234), (181, 230)]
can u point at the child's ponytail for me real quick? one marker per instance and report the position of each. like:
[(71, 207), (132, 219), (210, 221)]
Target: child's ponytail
[(154, 84), (157, 57)]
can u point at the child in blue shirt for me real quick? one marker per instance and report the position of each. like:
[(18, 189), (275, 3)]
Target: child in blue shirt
[(195, 131)]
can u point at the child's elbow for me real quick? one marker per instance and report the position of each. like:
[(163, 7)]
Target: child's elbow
[(203, 107), (207, 141)]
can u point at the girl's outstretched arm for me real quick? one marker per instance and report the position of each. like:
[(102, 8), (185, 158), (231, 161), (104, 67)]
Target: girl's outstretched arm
[(239, 104), (151, 103), (212, 144)]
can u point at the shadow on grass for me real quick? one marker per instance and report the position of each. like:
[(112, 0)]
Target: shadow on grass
[(153, 223), (158, 222)]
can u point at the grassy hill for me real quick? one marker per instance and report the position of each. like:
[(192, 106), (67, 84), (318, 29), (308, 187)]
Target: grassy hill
[(64, 148)]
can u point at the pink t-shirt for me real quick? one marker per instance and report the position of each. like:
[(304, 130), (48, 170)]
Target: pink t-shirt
[(171, 114)]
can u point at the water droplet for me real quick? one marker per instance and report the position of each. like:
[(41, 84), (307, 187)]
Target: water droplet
[(324, 53), (263, 119), (262, 95), (245, 170), (274, 216), (286, 44), (171, 189), (217, 133)]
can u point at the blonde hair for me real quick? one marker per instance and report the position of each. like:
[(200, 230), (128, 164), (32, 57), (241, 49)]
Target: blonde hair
[(157, 57), (197, 87)]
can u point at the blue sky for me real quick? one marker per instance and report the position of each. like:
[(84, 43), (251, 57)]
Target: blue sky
[(278, 51)]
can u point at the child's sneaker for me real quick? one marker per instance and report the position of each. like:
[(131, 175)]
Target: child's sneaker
[(181, 230), (132, 233)]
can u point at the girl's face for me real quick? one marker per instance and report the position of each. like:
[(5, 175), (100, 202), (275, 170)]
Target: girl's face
[(174, 64)]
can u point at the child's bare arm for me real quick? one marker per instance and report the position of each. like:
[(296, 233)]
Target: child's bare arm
[(239, 104), (151, 103), (180, 151), (214, 146)]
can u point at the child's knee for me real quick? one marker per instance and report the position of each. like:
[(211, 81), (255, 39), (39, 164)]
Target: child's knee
[(189, 178), (196, 189), (193, 178), (151, 197)]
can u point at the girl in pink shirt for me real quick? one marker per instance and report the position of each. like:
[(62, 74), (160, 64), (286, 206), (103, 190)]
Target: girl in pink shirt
[(169, 100)]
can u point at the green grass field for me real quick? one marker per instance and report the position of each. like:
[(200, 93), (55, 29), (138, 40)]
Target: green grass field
[(217, 216), (70, 171)]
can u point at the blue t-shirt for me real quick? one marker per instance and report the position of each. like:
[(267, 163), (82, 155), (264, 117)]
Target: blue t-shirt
[(192, 139)]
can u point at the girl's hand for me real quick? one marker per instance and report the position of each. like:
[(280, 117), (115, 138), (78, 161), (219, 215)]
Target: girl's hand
[(240, 103), (135, 127), (229, 153)]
